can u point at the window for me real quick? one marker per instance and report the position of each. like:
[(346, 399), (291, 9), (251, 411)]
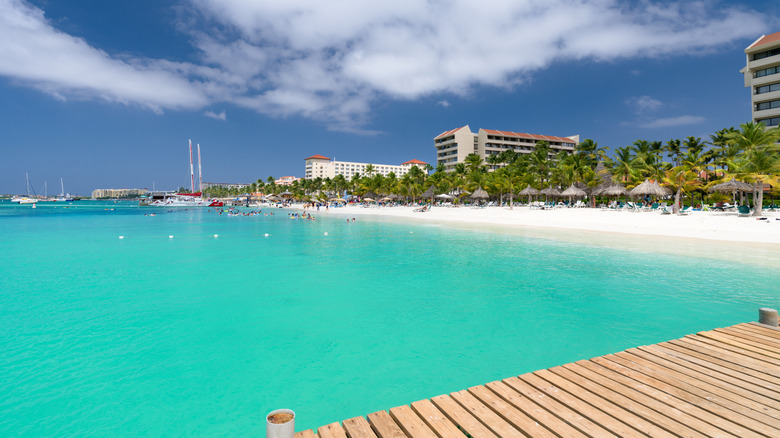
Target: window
[(768, 88), (766, 72), (767, 105), (774, 121), (767, 54)]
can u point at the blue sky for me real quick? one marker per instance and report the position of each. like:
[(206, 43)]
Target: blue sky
[(106, 94)]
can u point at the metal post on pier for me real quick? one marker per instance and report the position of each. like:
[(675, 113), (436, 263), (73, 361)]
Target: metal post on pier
[(767, 316)]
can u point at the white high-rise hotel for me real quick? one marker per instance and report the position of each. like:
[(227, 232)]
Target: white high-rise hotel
[(762, 75), (453, 146)]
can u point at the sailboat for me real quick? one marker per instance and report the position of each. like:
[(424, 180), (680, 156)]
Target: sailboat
[(25, 199), (63, 197), (192, 199)]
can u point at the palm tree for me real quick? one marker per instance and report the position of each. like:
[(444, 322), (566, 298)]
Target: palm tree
[(760, 156), (673, 148), (473, 162)]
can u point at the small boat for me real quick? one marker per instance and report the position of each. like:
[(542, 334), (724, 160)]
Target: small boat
[(62, 196), (193, 199), (186, 200)]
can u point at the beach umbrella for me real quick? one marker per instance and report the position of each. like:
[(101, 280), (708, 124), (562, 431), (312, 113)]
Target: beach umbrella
[(429, 193), (338, 200), (649, 188), (613, 190), (392, 196), (479, 194), (286, 194), (550, 191), (444, 196), (272, 198), (529, 191), (368, 200), (573, 191), (731, 187), (386, 198)]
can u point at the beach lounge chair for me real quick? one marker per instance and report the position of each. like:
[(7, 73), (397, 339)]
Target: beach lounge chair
[(743, 211), (685, 211)]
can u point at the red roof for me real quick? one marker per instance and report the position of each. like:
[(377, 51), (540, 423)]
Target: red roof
[(529, 136), (766, 39), (317, 157), (446, 133), (414, 161)]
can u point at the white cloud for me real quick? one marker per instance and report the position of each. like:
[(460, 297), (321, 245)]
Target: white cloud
[(444, 103), (673, 121), (644, 104), (217, 116), (332, 61), (34, 53)]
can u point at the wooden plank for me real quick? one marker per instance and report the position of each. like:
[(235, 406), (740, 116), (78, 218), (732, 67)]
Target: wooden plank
[(763, 326), (696, 370), (384, 425), (697, 379), (536, 412), (461, 417), (516, 417), (411, 423), (727, 357), (435, 419), (659, 402), (358, 427), (332, 430), (723, 417), (731, 348), (751, 335), (596, 384), (483, 413), (556, 408), (759, 330), (744, 367), (714, 367), (611, 424), (305, 434), (568, 389), (726, 399), (741, 343)]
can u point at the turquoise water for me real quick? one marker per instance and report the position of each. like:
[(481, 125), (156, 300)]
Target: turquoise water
[(198, 335)]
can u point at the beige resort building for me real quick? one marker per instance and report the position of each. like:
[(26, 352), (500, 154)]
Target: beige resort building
[(318, 166), (453, 146), (762, 75)]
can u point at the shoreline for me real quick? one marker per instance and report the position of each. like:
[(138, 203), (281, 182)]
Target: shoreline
[(715, 235)]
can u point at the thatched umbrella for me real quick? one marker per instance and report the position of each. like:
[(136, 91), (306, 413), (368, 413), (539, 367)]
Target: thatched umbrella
[(650, 188), (731, 187), (529, 191), (286, 194), (613, 190), (392, 196), (370, 195), (550, 191), (444, 196), (430, 193), (479, 194), (338, 200), (574, 192)]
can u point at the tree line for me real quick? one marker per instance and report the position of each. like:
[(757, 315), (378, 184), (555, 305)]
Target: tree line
[(688, 167)]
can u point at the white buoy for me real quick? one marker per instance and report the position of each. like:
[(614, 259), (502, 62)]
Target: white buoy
[(216, 235), (171, 236), (266, 234), (326, 233), (121, 237)]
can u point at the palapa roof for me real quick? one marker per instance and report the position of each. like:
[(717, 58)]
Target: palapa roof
[(529, 191), (649, 188), (731, 186), (550, 191), (479, 194), (573, 191), (429, 193)]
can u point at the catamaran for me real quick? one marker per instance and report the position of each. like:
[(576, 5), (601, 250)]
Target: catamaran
[(192, 199), (25, 199)]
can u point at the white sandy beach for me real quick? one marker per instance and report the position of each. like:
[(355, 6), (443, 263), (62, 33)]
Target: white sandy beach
[(713, 226)]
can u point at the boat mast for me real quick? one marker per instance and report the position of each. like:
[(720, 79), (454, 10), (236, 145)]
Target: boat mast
[(200, 173), (62, 188), (192, 172), (27, 176)]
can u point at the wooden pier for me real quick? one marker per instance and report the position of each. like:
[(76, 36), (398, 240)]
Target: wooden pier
[(724, 382)]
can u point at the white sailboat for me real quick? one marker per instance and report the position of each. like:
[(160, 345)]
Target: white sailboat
[(192, 199), (25, 199), (63, 197)]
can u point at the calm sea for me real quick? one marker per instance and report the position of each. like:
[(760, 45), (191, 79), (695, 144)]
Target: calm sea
[(203, 335)]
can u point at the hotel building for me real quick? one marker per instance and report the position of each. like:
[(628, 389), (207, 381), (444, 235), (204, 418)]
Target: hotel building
[(453, 146), (118, 193), (318, 166), (762, 75)]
